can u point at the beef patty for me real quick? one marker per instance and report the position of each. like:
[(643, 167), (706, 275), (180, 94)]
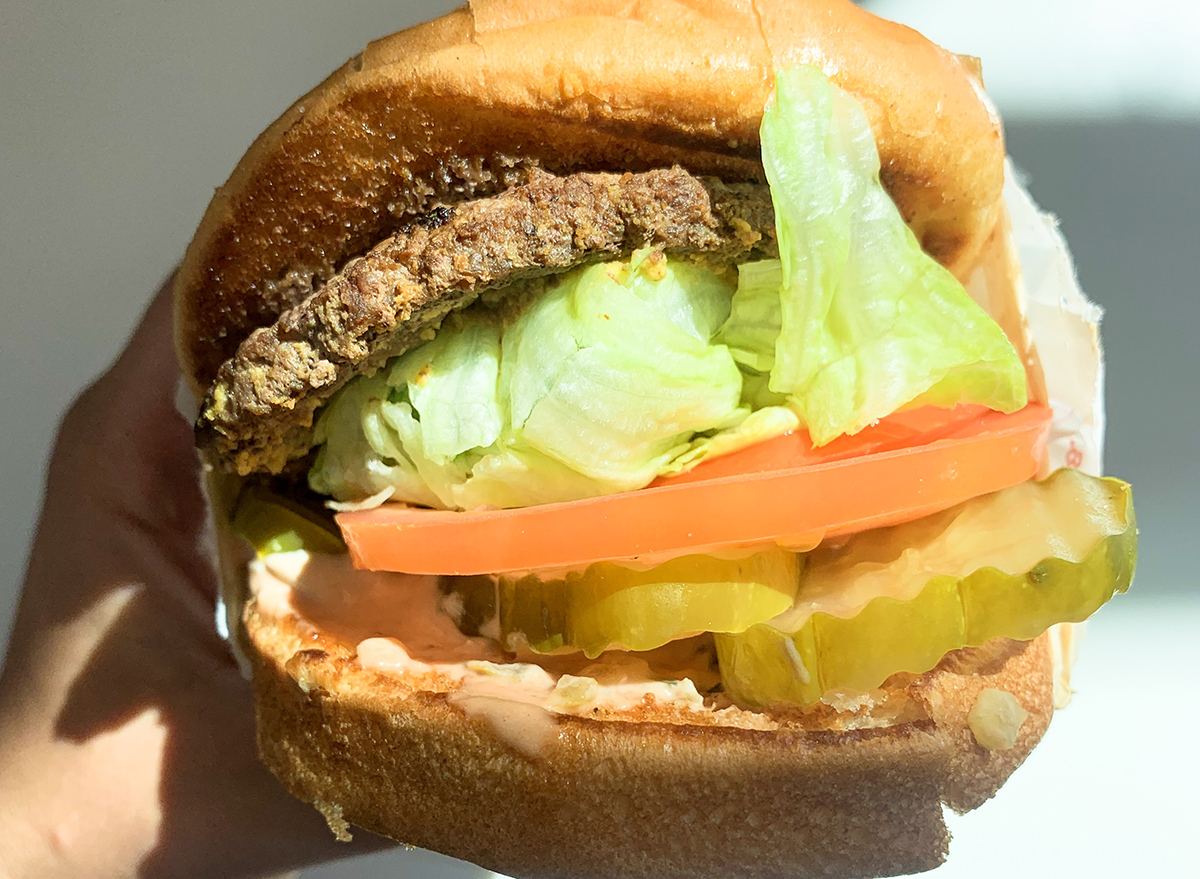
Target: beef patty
[(260, 411)]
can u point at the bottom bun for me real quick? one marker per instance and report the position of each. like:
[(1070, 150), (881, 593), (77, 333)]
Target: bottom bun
[(655, 791)]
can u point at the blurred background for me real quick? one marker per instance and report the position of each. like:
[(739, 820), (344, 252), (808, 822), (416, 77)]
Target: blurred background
[(118, 118)]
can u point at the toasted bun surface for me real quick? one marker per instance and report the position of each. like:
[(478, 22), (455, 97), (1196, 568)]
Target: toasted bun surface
[(648, 792), (468, 104)]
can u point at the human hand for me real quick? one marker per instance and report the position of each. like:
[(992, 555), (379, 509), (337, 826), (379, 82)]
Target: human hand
[(126, 731)]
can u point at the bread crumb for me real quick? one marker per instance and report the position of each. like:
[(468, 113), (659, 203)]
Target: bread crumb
[(843, 701), (299, 668), (332, 813), (996, 719), (654, 266)]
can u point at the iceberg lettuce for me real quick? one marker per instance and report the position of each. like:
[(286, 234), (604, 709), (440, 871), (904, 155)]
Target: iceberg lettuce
[(452, 382), (595, 388), (358, 455), (752, 331), (613, 372), (868, 322)]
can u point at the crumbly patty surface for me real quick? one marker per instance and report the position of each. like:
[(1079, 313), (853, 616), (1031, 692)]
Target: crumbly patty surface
[(259, 414)]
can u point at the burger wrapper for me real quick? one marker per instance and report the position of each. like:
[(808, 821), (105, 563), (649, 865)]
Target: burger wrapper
[(1036, 298), (1063, 333)]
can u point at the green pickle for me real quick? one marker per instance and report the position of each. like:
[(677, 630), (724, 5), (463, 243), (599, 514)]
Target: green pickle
[(477, 593), (271, 523), (611, 605), (534, 609), (1082, 527)]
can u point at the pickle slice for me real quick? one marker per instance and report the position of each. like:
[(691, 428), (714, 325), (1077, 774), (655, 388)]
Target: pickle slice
[(613, 605), (472, 602), (1083, 527), (534, 609), (271, 523)]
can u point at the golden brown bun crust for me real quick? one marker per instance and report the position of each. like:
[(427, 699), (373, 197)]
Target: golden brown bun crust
[(467, 104), (657, 795)]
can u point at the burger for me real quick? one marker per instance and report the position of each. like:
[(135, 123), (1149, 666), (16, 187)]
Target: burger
[(634, 448)]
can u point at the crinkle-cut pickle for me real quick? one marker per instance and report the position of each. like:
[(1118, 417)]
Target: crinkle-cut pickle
[(271, 524), (610, 605), (763, 665)]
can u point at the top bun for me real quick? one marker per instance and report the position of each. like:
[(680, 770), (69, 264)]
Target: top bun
[(468, 104)]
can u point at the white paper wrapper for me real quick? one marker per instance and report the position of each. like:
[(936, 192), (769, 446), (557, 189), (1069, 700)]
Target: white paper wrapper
[(1057, 330)]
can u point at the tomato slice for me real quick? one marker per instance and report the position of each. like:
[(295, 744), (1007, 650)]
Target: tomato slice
[(906, 466)]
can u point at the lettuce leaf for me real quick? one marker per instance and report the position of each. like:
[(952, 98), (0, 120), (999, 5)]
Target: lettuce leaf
[(752, 331), (869, 323), (358, 454), (451, 381), (512, 474), (613, 372), (760, 425), (595, 388)]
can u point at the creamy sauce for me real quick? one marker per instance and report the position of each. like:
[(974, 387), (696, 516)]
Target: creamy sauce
[(518, 712), (365, 608), (1012, 531), (404, 624)]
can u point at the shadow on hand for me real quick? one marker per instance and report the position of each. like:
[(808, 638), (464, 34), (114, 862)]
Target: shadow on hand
[(124, 520)]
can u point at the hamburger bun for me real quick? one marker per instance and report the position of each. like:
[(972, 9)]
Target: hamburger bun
[(649, 791)]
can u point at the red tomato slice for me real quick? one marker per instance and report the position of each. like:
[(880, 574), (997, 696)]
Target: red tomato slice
[(906, 466)]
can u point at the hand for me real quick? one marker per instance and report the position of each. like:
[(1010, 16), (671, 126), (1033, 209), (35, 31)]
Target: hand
[(126, 731)]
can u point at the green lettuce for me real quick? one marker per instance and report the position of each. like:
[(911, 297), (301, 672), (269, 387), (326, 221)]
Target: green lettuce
[(358, 454), (752, 331), (758, 425), (457, 399), (613, 375), (596, 387), (868, 323)]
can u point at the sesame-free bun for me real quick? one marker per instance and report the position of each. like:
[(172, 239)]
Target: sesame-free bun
[(652, 791), (468, 104)]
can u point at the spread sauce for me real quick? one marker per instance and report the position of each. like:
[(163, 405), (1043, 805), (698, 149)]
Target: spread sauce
[(404, 624)]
